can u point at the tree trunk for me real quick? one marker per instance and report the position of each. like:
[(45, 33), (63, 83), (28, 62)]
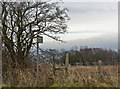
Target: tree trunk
[(13, 65)]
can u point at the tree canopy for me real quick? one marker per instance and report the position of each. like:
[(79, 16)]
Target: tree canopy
[(23, 21)]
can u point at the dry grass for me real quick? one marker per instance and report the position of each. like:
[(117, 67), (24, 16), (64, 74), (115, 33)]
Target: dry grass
[(88, 76), (78, 76)]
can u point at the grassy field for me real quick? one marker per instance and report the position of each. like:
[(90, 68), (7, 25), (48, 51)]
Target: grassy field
[(78, 76)]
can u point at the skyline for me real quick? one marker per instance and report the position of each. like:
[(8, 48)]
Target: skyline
[(92, 24)]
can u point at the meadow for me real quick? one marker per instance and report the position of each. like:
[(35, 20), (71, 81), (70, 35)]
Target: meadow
[(78, 76)]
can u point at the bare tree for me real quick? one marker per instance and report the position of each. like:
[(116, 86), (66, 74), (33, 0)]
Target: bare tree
[(23, 21)]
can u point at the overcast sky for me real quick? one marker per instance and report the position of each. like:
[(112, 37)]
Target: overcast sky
[(92, 24)]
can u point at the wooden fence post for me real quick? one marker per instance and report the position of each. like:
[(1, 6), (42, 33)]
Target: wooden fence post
[(99, 66), (53, 66), (67, 64)]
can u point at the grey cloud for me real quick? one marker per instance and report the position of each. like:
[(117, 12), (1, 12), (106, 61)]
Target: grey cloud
[(108, 41), (85, 7)]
